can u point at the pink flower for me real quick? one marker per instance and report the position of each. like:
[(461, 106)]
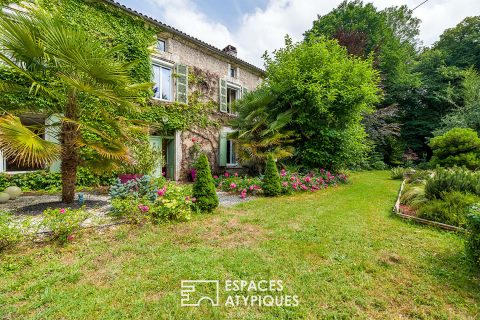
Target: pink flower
[(243, 195), (215, 177), (161, 192), (236, 174), (304, 187), (194, 139), (308, 179), (227, 175), (283, 173), (194, 199), (233, 185), (63, 210), (284, 184), (187, 198), (292, 178), (251, 188), (70, 237)]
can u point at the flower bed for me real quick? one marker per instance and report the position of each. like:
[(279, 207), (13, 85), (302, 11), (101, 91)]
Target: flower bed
[(291, 182)]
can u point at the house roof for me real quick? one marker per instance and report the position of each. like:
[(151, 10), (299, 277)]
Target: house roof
[(186, 36)]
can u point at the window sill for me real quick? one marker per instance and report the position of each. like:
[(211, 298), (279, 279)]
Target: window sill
[(161, 100), (233, 166)]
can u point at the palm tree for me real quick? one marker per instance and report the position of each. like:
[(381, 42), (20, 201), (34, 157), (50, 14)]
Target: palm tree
[(260, 129), (72, 70)]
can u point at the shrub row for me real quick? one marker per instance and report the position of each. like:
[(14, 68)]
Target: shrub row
[(448, 180), (51, 181)]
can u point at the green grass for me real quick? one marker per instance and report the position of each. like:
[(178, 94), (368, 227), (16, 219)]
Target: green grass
[(340, 250)]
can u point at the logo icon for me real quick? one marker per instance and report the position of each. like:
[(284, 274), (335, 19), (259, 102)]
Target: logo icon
[(193, 292)]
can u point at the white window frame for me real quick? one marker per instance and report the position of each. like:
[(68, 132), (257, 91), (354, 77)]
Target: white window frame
[(230, 164), (238, 94), (166, 65)]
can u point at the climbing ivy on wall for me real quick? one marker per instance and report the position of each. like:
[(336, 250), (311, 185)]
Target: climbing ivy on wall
[(136, 40)]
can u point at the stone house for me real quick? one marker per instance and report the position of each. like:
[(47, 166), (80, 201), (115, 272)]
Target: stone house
[(175, 56)]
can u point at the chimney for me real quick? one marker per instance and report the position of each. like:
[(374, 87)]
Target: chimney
[(231, 50)]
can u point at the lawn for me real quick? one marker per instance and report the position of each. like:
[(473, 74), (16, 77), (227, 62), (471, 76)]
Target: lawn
[(339, 250)]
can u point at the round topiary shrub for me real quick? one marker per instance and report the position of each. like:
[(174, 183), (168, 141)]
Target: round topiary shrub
[(271, 180), (204, 186)]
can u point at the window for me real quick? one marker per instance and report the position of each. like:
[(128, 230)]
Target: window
[(161, 46), (231, 158), (233, 72), (232, 95), (162, 77)]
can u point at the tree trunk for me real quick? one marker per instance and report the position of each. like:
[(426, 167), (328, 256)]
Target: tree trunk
[(70, 153)]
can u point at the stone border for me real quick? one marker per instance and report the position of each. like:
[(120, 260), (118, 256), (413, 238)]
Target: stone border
[(397, 211)]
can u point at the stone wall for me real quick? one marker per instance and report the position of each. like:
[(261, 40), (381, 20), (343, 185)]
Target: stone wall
[(179, 50)]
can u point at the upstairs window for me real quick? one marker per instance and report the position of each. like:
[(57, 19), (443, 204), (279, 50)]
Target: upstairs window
[(233, 72), (232, 95), (162, 78), (161, 46)]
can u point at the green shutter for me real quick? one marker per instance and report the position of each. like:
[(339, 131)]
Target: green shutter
[(182, 83), (222, 149), (222, 95), (52, 131)]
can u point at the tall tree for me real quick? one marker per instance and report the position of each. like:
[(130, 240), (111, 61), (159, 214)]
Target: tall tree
[(461, 44), (71, 70)]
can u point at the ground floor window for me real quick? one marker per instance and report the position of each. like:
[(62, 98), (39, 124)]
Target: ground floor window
[(231, 157)]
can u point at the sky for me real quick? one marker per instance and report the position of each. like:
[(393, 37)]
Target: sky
[(256, 26)]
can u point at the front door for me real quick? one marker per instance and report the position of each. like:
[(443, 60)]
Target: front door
[(156, 143), (170, 156)]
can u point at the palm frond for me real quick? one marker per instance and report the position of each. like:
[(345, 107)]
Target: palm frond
[(19, 143)]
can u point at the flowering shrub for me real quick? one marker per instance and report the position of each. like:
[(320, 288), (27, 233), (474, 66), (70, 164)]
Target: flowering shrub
[(290, 182), (144, 187), (172, 202), (63, 222)]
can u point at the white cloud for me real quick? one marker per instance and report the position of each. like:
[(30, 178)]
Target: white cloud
[(265, 29)]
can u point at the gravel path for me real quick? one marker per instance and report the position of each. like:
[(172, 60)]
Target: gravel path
[(226, 199)]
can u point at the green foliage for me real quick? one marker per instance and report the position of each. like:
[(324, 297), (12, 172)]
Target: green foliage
[(43, 180), (397, 173), (145, 187), (414, 195), (326, 91), (451, 209), (204, 187), (460, 43), (457, 147), (260, 129), (62, 223), (10, 230), (271, 179), (171, 202), (472, 245), (452, 180), (144, 159), (467, 114)]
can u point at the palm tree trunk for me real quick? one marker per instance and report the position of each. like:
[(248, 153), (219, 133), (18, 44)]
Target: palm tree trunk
[(70, 153)]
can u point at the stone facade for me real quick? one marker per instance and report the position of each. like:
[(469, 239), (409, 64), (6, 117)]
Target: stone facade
[(179, 50)]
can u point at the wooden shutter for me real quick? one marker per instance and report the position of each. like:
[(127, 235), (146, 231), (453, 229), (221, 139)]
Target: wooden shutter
[(222, 149), (222, 95), (182, 83), (52, 131)]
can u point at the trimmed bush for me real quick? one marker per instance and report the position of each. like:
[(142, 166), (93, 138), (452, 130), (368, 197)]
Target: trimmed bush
[(271, 180), (451, 209), (457, 147), (397, 173), (204, 187), (472, 245)]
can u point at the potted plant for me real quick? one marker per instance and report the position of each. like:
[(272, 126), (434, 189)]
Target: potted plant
[(144, 159)]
